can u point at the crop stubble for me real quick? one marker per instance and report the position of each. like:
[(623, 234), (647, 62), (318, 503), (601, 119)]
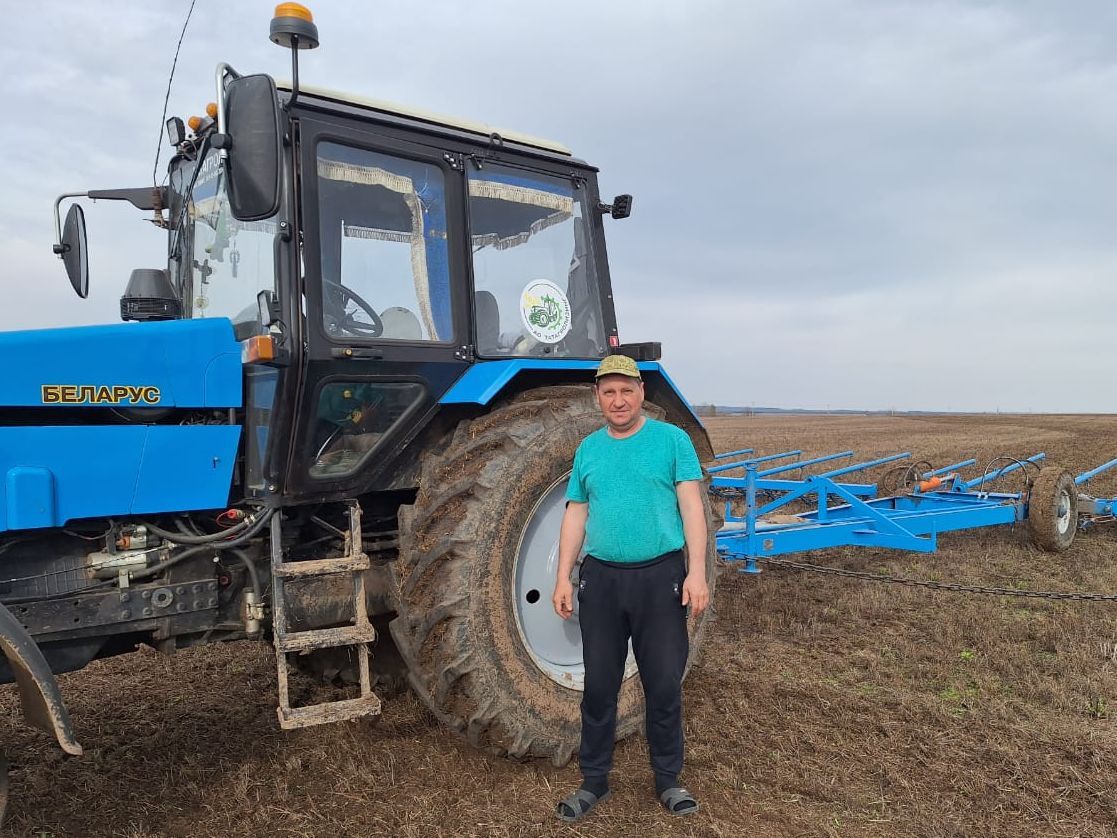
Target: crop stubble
[(821, 706)]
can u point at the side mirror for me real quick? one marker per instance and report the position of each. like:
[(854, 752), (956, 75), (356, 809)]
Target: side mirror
[(267, 308), (254, 147), (622, 206), (75, 253)]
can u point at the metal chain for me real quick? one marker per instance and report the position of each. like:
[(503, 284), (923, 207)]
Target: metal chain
[(938, 586)]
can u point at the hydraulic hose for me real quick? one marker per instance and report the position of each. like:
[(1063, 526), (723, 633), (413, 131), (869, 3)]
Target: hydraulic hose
[(186, 538), (218, 546), (253, 574)]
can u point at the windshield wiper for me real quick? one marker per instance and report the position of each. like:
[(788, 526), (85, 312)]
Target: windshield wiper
[(199, 159)]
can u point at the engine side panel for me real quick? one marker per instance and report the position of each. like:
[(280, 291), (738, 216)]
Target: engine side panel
[(52, 475)]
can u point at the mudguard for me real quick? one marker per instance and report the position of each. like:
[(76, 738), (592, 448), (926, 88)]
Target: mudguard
[(38, 690), (485, 381)]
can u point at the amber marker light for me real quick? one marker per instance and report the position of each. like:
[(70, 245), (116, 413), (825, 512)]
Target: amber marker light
[(294, 10), (195, 122), (211, 110), (293, 27), (257, 349)]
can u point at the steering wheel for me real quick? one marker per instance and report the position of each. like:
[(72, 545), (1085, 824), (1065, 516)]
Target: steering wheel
[(337, 297)]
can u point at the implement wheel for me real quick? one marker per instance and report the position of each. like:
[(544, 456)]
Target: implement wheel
[(1053, 509), (478, 554)]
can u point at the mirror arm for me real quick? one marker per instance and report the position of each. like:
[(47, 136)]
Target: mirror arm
[(142, 198), (59, 248), (223, 70)]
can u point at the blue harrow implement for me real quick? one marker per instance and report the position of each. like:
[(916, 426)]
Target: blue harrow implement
[(769, 513)]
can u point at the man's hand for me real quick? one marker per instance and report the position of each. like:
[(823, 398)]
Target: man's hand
[(563, 599), (696, 593)]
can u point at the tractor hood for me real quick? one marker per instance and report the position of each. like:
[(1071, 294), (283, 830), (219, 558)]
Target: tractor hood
[(68, 450), (174, 363)]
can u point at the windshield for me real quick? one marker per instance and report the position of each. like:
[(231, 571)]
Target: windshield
[(222, 263), (534, 283)]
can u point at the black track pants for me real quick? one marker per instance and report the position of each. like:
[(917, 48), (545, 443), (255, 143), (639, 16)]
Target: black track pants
[(644, 603)]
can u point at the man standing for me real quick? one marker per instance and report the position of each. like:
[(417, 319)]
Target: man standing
[(634, 501)]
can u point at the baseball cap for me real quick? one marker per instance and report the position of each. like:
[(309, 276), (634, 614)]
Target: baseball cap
[(618, 365)]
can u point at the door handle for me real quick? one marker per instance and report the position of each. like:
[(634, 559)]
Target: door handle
[(357, 352)]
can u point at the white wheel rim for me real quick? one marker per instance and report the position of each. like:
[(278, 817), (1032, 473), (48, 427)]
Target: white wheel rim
[(554, 644), (1063, 512)]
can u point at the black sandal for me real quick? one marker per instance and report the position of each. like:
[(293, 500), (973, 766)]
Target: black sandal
[(678, 801), (578, 805)]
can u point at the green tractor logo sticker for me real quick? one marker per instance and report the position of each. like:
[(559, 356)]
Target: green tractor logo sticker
[(545, 311)]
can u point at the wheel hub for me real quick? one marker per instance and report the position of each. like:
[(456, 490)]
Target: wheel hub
[(554, 644), (1063, 512)]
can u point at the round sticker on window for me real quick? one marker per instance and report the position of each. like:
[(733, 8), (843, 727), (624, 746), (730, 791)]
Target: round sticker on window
[(545, 311)]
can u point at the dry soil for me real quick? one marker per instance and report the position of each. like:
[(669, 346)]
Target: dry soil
[(821, 706)]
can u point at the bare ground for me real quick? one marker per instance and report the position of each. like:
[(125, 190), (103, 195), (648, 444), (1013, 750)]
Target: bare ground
[(821, 706)]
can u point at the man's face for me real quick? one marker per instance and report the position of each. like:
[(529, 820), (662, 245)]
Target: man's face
[(620, 398)]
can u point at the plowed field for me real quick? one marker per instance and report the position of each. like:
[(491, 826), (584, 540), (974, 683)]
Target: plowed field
[(821, 706)]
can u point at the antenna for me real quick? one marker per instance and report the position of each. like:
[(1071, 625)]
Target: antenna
[(167, 98)]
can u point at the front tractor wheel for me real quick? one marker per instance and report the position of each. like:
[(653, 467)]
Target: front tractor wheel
[(478, 555)]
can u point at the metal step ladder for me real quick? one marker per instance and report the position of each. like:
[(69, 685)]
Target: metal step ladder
[(359, 635)]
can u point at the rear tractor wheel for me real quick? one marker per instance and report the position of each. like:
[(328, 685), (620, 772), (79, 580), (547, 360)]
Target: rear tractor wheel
[(1053, 509), (478, 554)]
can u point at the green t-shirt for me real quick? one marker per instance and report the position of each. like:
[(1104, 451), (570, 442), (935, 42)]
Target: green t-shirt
[(629, 485)]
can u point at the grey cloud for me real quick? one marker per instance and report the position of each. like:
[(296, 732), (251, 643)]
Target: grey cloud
[(813, 180)]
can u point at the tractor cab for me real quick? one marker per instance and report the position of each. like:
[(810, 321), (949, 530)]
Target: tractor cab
[(402, 249)]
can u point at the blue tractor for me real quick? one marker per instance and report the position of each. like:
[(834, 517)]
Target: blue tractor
[(342, 417)]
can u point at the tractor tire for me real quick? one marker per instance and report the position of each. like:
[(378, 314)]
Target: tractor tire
[(1053, 509), (478, 553)]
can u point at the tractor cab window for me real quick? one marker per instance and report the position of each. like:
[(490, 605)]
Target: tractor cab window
[(353, 416), (385, 257), (534, 284), (230, 261)]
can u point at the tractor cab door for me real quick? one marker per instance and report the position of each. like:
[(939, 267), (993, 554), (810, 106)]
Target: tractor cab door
[(386, 305)]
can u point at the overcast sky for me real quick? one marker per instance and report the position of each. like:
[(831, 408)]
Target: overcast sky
[(838, 203)]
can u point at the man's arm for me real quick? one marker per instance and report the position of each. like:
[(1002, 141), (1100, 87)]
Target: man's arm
[(696, 593), (571, 537)]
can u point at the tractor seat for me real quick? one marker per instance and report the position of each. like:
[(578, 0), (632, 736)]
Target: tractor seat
[(401, 324), (488, 323)]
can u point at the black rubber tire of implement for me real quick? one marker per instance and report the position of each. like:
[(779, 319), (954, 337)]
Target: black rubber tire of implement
[(456, 626), (1049, 488)]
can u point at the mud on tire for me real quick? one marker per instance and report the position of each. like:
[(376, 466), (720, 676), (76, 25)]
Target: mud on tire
[(457, 624), (1053, 509)]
